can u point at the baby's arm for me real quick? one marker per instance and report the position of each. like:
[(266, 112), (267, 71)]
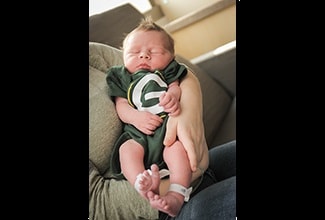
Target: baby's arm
[(146, 122), (170, 99)]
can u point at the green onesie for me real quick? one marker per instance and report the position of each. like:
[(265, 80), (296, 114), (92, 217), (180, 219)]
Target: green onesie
[(142, 89)]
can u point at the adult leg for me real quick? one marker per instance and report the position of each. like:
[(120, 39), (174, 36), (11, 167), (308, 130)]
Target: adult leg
[(115, 199), (216, 196), (222, 160), (217, 202), (222, 165)]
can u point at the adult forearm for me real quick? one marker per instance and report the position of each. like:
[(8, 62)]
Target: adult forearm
[(189, 124), (191, 99)]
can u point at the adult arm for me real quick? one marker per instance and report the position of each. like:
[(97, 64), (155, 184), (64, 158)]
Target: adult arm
[(188, 126)]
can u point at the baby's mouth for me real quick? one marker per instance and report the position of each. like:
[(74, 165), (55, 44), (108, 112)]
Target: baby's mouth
[(143, 66)]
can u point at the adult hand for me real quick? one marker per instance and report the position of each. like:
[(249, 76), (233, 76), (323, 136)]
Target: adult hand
[(188, 126)]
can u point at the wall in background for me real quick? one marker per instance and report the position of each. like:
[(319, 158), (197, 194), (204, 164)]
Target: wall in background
[(204, 29), (198, 26), (174, 9), (99, 6)]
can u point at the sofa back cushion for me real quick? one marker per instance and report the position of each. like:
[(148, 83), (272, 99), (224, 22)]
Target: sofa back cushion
[(216, 102), (111, 26)]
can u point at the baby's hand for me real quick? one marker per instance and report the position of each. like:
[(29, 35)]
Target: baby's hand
[(146, 122), (170, 103)]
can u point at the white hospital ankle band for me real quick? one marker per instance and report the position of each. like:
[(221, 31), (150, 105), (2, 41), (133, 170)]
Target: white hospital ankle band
[(181, 190)]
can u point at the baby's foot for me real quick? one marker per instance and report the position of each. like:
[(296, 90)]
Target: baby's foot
[(155, 177), (149, 180), (171, 203), (143, 182)]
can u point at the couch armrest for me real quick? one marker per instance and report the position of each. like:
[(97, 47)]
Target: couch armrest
[(216, 102), (220, 64)]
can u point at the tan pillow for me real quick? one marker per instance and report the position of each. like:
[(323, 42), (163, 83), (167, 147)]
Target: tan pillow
[(104, 124), (102, 56)]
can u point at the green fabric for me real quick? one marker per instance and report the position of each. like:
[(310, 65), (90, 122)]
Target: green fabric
[(116, 200), (120, 79)]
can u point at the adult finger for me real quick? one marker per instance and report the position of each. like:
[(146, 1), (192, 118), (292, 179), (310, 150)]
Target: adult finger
[(171, 132)]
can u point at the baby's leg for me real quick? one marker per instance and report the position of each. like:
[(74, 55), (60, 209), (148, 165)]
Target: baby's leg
[(131, 158), (180, 178)]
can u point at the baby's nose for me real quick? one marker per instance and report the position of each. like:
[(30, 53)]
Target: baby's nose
[(144, 55)]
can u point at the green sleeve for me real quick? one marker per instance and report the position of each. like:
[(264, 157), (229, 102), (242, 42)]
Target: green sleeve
[(118, 80), (174, 71)]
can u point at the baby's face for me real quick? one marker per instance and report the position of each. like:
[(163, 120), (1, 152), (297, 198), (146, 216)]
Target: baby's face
[(146, 50)]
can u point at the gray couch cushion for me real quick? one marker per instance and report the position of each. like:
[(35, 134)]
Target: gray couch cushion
[(216, 102), (110, 27), (227, 132)]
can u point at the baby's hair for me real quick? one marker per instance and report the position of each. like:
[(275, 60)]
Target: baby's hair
[(147, 24)]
